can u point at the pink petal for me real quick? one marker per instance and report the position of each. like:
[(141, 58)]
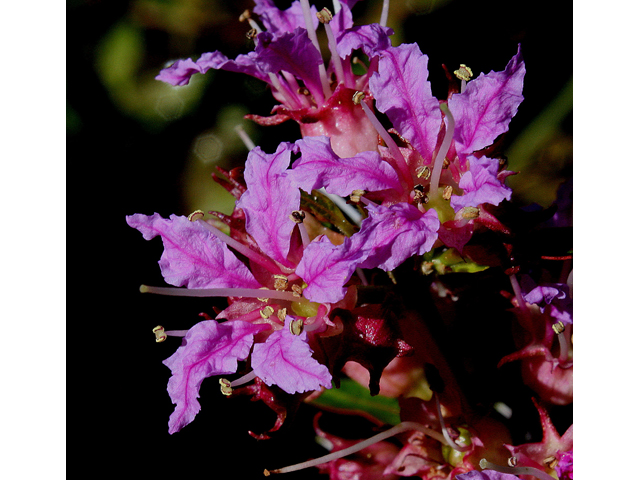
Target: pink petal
[(285, 360), (192, 255), (209, 348)]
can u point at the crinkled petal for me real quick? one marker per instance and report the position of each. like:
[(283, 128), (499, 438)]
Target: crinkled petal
[(285, 360), (393, 234), (480, 184), (291, 52), (486, 475), (487, 106), (270, 198), (209, 348), (246, 64), (179, 73), (282, 21), (402, 92), (192, 255), (371, 39), (319, 166), (325, 268)]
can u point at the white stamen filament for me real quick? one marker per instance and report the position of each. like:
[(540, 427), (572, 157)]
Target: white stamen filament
[(361, 276), (401, 163), (304, 234), (518, 293), (254, 25), (308, 22), (244, 379), (564, 344), (244, 137), (243, 249), (384, 16), (176, 333), (484, 464), (277, 84), (445, 432), (401, 427), (463, 86), (220, 292), (348, 210), (335, 58), (444, 148)]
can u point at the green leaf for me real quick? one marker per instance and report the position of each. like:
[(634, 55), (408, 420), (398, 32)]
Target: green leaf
[(354, 397)]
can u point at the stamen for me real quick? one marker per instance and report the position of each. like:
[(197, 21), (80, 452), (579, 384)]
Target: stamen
[(558, 328), (297, 216), (244, 250), (220, 292), (296, 291), (296, 326), (444, 148), (282, 314), (562, 340), (244, 137), (304, 235), (225, 387), (384, 16), (280, 282), (484, 464), (266, 312), (423, 172), (306, 12), (445, 431), (325, 17), (518, 293), (244, 379), (401, 163), (464, 73), (197, 215), (401, 427), (446, 193), (161, 334)]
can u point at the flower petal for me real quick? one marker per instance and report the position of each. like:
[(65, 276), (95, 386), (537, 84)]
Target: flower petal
[(402, 92), (480, 184), (319, 166), (285, 360), (270, 198), (282, 21), (487, 106), (192, 255), (209, 348), (371, 39)]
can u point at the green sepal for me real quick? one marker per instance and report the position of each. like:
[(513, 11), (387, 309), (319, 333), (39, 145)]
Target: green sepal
[(326, 212)]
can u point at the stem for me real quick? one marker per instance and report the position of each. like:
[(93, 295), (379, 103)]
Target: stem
[(401, 427), (444, 148), (220, 292)]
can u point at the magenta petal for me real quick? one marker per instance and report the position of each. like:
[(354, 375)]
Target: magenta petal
[(402, 92), (291, 52), (285, 360), (486, 475), (242, 64), (325, 268), (282, 21), (209, 348), (319, 166), (371, 39), (192, 255), (270, 198), (393, 234), (487, 106), (480, 184), (179, 73)]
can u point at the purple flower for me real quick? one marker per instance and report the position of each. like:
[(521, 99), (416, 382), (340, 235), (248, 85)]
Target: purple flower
[(486, 475), (551, 298), (209, 348), (286, 360), (480, 184)]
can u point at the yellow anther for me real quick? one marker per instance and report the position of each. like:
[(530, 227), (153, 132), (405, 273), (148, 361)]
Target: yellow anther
[(424, 172), (426, 268), (355, 195), (470, 212), (296, 326), (296, 290), (446, 193), (160, 335), (251, 34), (463, 73), (282, 314), (297, 216), (558, 328), (551, 461), (197, 215), (246, 15), (225, 387), (324, 15), (304, 91), (357, 97), (266, 312), (280, 282), (512, 461)]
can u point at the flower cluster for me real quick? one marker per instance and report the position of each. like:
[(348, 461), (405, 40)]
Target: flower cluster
[(316, 221)]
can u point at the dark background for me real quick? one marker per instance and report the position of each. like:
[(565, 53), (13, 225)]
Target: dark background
[(123, 163)]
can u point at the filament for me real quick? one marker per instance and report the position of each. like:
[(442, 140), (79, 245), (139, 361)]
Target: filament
[(444, 148), (401, 427), (518, 293), (306, 11), (445, 432), (244, 137), (244, 379), (335, 58), (384, 16), (220, 292)]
